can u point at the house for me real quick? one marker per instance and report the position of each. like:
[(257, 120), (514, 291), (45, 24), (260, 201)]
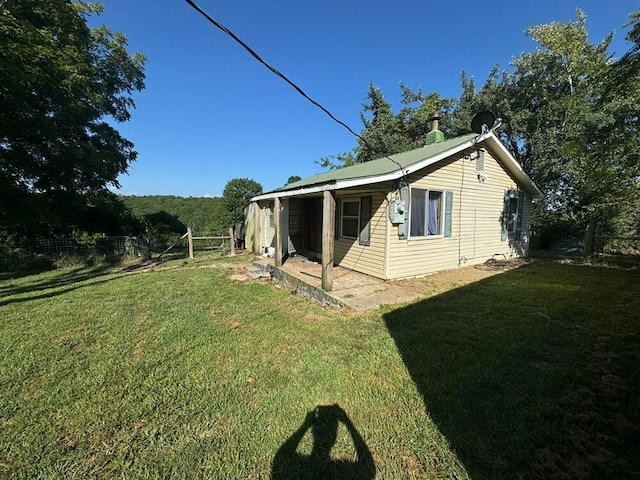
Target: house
[(450, 203)]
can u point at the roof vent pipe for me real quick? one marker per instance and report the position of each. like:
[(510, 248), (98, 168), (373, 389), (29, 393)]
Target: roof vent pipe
[(435, 135)]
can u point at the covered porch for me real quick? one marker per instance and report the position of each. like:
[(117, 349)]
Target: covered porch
[(302, 225)]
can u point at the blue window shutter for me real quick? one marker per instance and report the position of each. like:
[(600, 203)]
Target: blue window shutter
[(505, 216), (365, 221), (519, 219), (338, 214), (448, 212)]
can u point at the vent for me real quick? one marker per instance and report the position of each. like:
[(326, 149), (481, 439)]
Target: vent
[(480, 161)]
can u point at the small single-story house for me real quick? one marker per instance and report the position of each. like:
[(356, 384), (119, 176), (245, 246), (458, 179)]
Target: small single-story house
[(450, 203)]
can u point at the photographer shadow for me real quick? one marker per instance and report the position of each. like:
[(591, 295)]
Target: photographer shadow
[(323, 422)]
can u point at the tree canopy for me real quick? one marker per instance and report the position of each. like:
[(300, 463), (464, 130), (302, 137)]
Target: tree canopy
[(236, 196), (386, 133), (62, 86)]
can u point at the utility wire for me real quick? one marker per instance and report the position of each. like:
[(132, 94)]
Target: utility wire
[(283, 77)]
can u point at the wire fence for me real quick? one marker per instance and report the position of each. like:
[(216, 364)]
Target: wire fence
[(617, 250), (53, 252)]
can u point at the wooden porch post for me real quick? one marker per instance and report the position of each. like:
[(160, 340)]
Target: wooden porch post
[(256, 229), (277, 218), (328, 232)]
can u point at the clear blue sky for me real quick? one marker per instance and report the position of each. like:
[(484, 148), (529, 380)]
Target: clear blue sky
[(211, 113)]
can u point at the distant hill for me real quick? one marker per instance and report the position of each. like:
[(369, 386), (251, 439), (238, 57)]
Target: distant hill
[(203, 215)]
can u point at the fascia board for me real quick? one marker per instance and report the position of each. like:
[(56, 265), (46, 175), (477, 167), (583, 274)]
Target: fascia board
[(505, 156), (513, 166), (361, 181)]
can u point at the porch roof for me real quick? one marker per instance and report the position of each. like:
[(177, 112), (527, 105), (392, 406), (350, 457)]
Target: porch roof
[(399, 165)]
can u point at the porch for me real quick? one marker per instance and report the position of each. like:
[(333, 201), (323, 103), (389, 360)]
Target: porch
[(351, 289)]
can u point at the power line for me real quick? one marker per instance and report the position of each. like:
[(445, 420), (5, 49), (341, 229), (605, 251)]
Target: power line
[(283, 77)]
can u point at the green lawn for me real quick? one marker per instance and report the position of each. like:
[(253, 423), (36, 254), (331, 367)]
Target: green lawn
[(183, 373)]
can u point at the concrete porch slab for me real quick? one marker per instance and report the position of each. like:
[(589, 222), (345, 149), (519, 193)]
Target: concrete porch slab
[(362, 292), (351, 289)]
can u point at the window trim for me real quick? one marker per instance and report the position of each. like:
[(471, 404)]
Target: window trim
[(513, 231), (427, 191)]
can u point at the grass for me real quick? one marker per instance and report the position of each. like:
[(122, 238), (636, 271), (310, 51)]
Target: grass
[(182, 373)]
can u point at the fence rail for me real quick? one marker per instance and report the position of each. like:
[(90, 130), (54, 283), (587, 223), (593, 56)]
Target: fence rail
[(191, 238), (49, 252)]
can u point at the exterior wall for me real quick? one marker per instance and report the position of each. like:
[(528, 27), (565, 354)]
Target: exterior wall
[(476, 221), (249, 227), (349, 253), (267, 225)]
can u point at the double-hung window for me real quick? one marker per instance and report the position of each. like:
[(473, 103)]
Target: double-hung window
[(353, 219), (350, 218), (512, 214), (427, 213)]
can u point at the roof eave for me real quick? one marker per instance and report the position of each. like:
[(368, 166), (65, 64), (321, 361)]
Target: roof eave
[(360, 181), (513, 166), (504, 155)]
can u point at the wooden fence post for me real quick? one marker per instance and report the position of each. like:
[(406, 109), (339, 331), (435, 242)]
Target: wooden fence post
[(190, 237), (232, 247)]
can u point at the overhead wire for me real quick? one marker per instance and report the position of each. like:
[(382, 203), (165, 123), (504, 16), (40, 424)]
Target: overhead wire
[(275, 71)]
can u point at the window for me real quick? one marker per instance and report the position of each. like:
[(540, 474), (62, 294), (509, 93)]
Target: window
[(354, 220), (426, 213), (512, 214), (350, 218)]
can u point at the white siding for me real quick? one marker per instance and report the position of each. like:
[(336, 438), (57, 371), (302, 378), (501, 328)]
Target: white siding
[(476, 221)]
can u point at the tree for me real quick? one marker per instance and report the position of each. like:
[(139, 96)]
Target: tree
[(59, 83), (236, 195), (570, 119), (293, 179), (386, 133)]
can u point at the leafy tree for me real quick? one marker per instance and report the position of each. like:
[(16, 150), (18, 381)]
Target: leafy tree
[(236, 196), (386, 133), (163, 222), (59, 83), (568, 114), (105, 213), (293, 179)]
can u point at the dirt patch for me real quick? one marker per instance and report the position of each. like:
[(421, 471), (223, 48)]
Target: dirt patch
[(448, 280), (502, 265)]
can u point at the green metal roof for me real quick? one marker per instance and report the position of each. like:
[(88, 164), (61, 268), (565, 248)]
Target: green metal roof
[(380, 166)]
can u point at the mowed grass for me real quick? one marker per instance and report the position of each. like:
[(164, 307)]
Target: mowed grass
[(184, 373)]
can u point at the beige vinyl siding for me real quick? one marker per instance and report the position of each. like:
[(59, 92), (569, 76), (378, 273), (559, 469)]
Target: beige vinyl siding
[(367, 259), (476, 220), (267, 225)]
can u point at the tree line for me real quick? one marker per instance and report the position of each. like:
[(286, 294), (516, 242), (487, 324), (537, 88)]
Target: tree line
[(169, 213)]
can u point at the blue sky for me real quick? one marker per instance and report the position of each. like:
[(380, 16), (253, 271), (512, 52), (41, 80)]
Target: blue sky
[(211, 113)]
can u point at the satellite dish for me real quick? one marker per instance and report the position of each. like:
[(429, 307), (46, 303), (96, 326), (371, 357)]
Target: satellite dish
[(483, 122)]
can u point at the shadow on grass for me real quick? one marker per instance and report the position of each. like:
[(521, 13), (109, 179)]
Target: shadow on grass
[(532, 373), (323, 423), (64, 278)]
